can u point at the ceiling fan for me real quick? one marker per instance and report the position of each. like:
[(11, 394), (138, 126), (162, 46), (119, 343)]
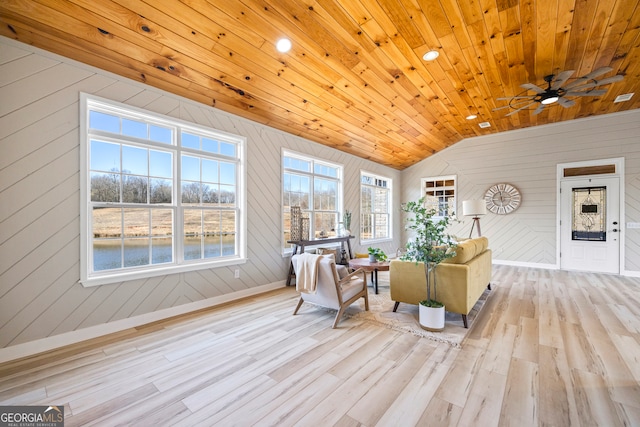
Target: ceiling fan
[(557, 92)]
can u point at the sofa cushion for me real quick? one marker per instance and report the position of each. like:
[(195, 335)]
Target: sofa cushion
[(482, 244), (468, 249)]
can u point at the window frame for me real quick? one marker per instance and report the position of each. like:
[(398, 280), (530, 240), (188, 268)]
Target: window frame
[(286, 247), (389, 213), (454, 187), (88, 277)]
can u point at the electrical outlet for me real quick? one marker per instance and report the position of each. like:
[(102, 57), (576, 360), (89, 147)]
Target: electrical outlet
[(236, 273)]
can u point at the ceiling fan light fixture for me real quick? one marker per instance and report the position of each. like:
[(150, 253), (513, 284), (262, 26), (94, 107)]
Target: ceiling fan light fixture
[(283, 45), (431, 55), (550, 100)]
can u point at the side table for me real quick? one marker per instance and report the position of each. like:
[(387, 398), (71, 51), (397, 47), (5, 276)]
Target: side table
[(373, 267)]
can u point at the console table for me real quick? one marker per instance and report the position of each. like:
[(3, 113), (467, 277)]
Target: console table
[(299, 245)]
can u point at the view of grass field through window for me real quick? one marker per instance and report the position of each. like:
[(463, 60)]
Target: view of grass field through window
[(150, 182)]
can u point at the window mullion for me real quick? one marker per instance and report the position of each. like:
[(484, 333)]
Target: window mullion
[(122, 232), (177, 194), (312, 202)]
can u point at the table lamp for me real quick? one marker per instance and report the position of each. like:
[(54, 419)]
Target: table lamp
[(474, 208)]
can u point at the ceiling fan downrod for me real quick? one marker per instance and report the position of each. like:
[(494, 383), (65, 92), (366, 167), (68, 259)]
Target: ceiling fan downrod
[(549, 96)]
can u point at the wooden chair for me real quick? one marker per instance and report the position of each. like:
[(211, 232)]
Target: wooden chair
[(331, 290)]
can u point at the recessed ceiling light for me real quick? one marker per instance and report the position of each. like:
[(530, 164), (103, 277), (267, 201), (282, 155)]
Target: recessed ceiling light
[(484, 125), (431, 55), (471, 116), (283, 45), (625, 97)]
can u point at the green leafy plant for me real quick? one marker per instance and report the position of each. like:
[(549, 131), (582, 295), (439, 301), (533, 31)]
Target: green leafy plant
[(430, 244), (378, 253), (346, 219)]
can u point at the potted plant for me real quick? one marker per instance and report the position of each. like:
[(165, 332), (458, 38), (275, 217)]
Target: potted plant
[(430, 245), (376, 254), (346, 222)]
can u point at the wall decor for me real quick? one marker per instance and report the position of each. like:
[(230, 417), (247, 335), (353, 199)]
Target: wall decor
[(295, 223), (502, 198), (304, 229)]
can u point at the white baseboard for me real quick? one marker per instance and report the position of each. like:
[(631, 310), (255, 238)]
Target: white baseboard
[(526, 264), (630, 273), (626, 273), (31, 348)]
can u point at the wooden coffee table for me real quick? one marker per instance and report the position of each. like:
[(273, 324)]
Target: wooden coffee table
[(373, 267)]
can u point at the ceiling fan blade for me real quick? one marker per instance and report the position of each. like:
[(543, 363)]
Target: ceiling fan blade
[(566, 103), (539, 109), (612, 79), (600, 71), (532, 87), (587, 93), (521, 108), (591, 75), (561, 79), (608, 80)]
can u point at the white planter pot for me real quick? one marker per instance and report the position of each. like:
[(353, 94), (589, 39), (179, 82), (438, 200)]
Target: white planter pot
[(372, 258), (431, 318)]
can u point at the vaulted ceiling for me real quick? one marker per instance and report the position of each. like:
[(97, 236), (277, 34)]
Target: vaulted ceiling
[(354, 79)]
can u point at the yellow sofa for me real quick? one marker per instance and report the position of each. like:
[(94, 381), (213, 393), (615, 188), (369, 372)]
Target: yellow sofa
[(460, 280)]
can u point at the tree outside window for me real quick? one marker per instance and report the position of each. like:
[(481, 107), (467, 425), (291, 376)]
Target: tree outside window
[(375, 207), (316, 187)]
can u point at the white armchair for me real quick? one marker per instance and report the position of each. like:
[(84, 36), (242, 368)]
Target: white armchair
[(331, 290)]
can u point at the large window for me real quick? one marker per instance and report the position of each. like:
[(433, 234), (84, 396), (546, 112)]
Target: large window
[(160, 195), (316, 187), (375, 207), (440, 194)]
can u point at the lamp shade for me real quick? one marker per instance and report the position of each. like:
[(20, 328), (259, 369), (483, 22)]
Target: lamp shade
[(474, 207)]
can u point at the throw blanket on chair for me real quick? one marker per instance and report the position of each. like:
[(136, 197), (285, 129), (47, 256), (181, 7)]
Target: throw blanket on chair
[(307, 273)]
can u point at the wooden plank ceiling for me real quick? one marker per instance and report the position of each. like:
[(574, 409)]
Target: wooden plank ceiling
[(355, 79)]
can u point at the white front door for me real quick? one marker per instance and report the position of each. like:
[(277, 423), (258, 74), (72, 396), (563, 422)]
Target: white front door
[(590, 224)]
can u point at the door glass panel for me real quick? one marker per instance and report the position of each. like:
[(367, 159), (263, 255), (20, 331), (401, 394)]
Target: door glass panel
[(588, 219)]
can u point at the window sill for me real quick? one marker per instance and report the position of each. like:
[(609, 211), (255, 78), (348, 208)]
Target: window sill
[(374, 241), (127, 276)]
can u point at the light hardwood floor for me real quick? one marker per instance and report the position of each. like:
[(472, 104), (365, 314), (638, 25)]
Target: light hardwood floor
[(550, 348)]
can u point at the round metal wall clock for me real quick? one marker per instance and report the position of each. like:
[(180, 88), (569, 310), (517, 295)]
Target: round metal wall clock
[(502, 198)]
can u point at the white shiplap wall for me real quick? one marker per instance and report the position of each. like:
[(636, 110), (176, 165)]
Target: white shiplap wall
[(528, 159), (39, 201)]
